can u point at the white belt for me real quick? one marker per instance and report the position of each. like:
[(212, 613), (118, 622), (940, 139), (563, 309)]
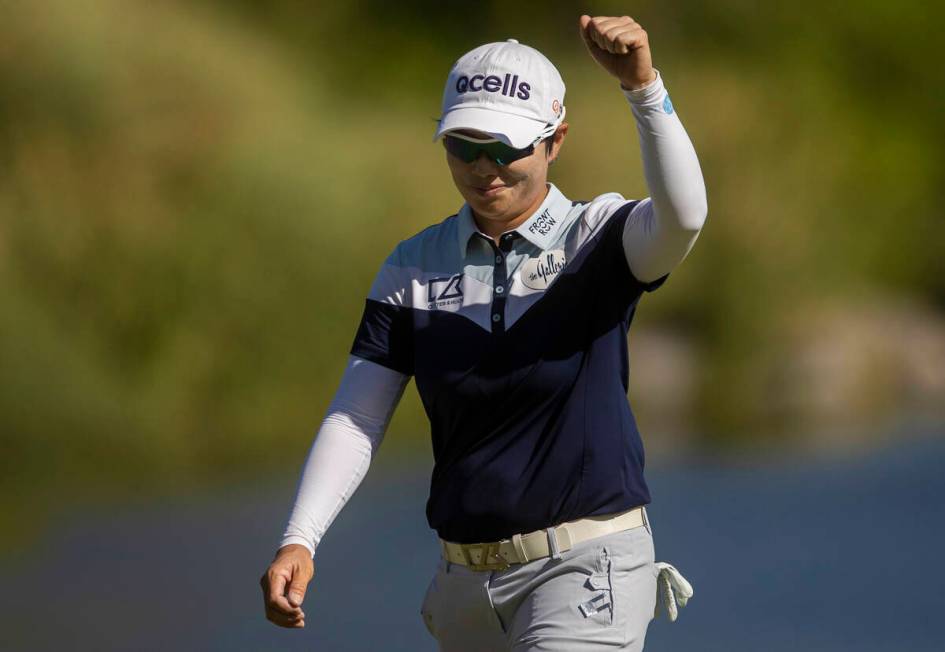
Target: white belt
[(522, 548)]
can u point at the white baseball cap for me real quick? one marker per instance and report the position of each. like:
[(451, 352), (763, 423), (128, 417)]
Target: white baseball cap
[(508, 90)]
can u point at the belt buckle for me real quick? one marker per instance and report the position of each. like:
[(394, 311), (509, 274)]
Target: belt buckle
[(489, 551)]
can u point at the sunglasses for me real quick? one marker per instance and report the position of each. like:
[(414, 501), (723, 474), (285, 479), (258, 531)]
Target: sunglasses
[(497, 151)]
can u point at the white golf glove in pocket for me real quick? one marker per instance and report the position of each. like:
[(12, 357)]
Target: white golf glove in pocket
[(671, 589)]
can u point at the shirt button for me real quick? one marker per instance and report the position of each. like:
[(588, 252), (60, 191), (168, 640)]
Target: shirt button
[(499, 289), (498, 259), (496, 317)]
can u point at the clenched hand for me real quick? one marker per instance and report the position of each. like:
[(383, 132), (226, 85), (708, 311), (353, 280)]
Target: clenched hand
[(621, 46), (284, 584)]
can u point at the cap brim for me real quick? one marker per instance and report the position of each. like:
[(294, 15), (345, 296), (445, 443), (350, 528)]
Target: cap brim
[(511, 129)]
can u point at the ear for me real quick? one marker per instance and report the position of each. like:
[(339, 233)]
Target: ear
[(557, 141)]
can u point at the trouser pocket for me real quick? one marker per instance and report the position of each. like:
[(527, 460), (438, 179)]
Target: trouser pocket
[(428, 604), (598, 604), (425, 610)]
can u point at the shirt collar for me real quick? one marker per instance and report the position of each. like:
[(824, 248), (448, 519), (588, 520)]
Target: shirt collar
[(541, 228)]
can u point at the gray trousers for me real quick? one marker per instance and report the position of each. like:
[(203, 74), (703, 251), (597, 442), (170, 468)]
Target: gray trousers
[(599, 595)]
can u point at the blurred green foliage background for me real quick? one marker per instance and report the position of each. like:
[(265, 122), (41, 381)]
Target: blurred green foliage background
[(195, 197)]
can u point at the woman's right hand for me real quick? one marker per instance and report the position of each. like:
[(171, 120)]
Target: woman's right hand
[(284, 584)]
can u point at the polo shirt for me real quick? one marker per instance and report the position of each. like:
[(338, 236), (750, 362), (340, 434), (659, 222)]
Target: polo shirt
[(519, 353)]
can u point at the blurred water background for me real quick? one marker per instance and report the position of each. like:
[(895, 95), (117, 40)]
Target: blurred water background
[(195, 197), (783, 556)]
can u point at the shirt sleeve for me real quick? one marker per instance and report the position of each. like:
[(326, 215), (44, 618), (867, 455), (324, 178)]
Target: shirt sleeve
[(607, 216), (344, 447), (661, 229), (385, 334)]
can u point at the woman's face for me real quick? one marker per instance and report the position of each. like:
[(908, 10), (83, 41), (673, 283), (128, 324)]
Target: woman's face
[(504, 192)]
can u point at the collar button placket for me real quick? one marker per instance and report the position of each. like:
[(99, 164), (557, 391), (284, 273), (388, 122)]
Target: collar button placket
[(499, 280)]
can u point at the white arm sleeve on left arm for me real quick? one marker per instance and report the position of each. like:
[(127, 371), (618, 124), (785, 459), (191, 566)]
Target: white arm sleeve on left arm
[(347, 441), (661, 229)]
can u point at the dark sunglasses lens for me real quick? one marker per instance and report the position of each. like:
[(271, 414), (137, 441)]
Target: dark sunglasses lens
[(499, 152), (462, 149), (503, 154)]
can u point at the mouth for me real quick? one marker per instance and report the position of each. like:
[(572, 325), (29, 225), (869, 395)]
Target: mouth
[(489, 191)]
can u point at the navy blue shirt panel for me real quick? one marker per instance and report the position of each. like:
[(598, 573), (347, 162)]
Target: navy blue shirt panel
[(385, 336), (530, 422)]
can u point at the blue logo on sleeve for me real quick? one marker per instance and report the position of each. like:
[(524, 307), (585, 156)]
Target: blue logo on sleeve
[(667, 105)]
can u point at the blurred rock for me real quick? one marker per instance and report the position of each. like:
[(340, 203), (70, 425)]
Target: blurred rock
[(849, 366)]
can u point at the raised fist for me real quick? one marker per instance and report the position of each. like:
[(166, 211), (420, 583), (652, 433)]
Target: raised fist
[(621, 46)]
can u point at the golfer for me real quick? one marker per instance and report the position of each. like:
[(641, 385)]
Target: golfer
[(512, 316)]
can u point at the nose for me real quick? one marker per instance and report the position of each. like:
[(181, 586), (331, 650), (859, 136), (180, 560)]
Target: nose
[(485, 166)]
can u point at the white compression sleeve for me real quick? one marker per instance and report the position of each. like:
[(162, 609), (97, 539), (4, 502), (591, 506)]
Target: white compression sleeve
[(350, 435), (661, 229)]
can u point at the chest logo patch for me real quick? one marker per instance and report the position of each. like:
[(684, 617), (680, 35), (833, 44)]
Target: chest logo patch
[(538, 273), (444, 291)]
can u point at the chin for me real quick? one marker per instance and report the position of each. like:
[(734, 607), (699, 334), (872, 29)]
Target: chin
[(493, 209)]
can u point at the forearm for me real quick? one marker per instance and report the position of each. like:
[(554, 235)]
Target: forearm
[(347, 441), (336, 464), (662, 229)]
